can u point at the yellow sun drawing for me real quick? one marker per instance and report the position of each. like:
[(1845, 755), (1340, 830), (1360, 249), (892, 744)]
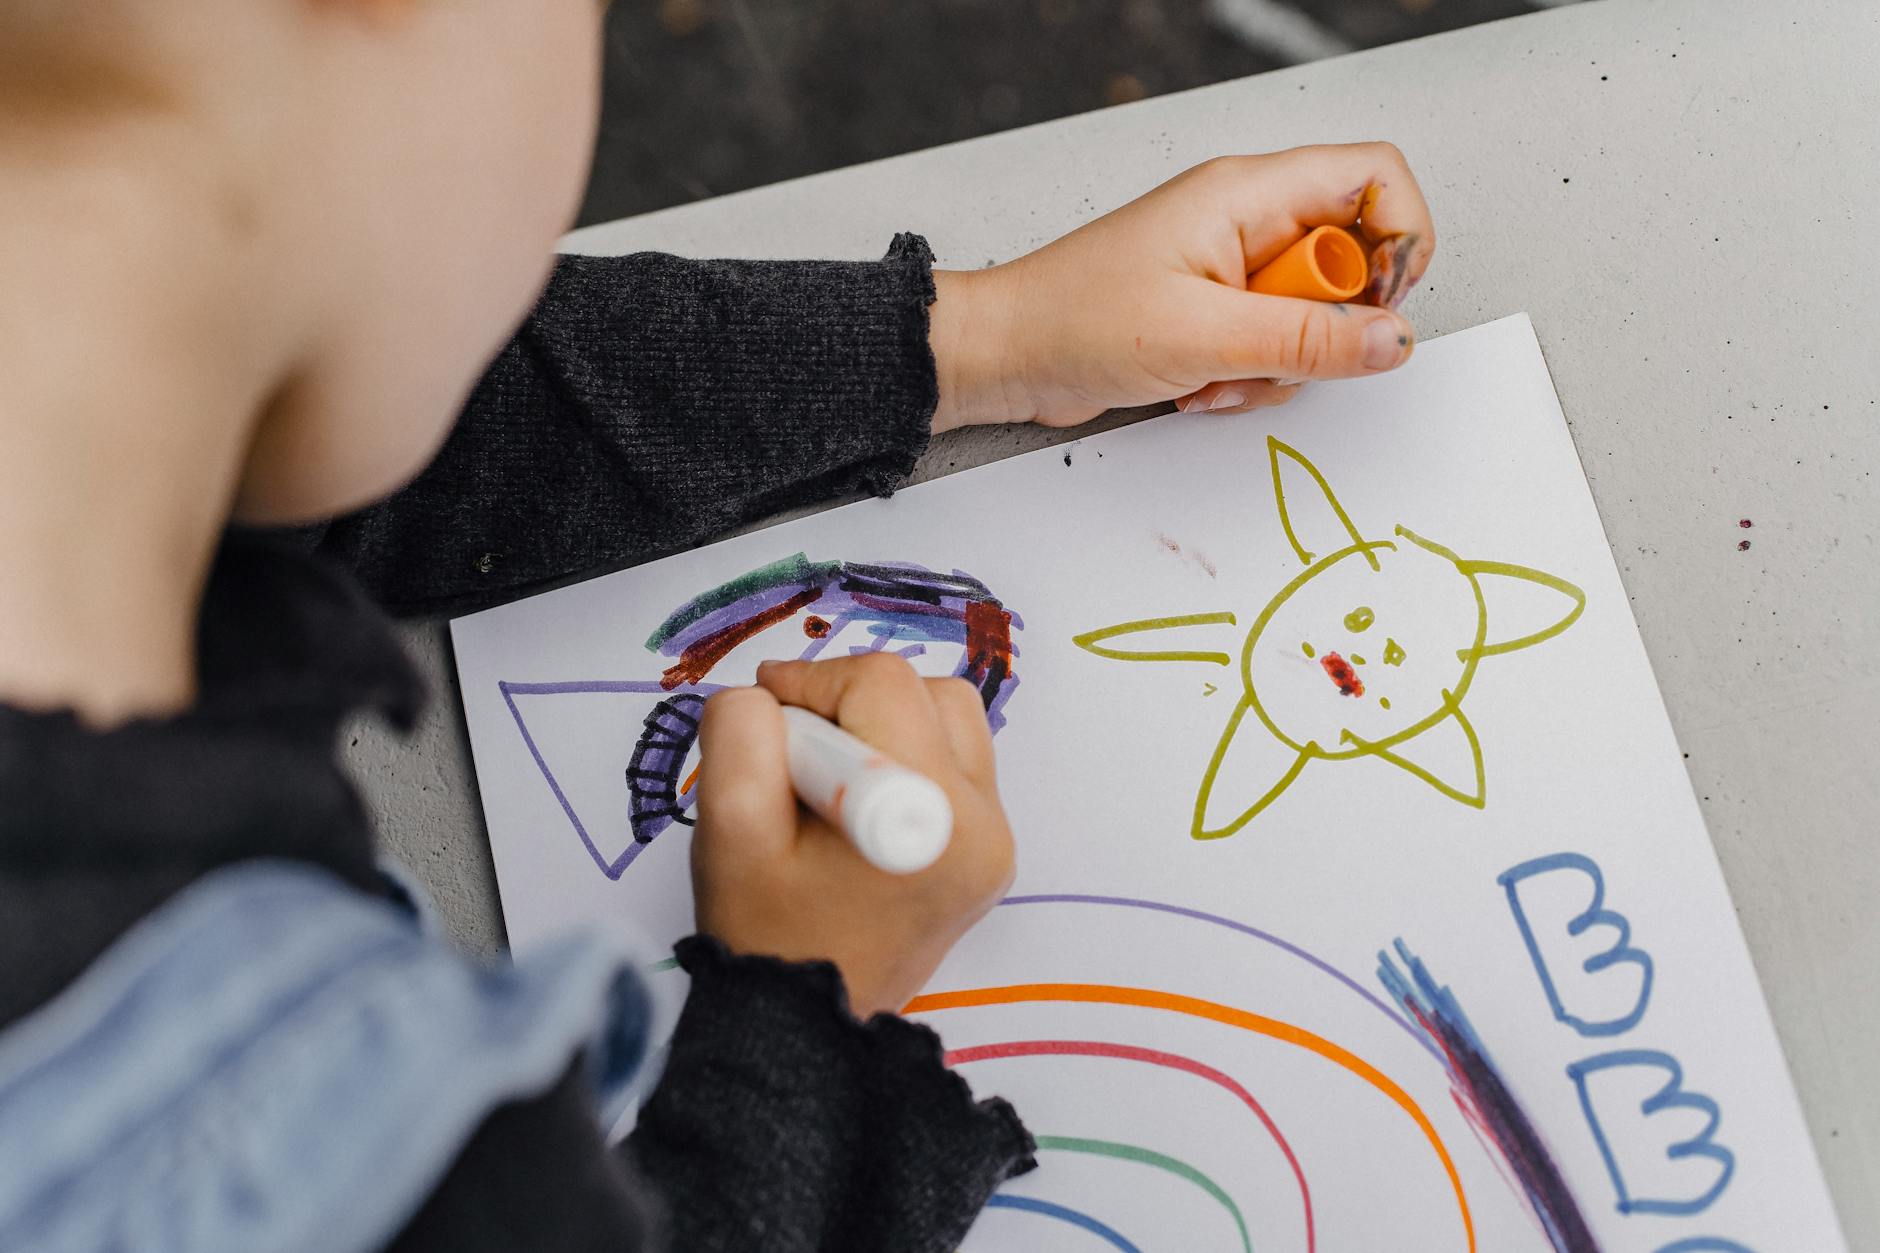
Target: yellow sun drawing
[(1369, 652)]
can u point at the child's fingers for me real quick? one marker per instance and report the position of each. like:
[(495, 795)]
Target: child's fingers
[(1239, 396), (1396, 266), (876, 696), (1246, 335), (963, 719), (1279, 196), (744, 791)]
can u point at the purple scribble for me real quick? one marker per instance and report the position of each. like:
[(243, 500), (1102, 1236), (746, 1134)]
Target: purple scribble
[(615, 867), (899, 603), (1486, 1100)]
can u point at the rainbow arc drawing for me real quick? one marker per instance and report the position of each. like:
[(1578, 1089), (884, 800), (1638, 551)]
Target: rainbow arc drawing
[(1117, 1077)]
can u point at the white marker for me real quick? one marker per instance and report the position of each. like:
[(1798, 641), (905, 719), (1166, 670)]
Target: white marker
[(898, 819)]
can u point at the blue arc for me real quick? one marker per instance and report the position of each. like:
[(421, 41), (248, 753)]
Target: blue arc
[(1064, 1214)]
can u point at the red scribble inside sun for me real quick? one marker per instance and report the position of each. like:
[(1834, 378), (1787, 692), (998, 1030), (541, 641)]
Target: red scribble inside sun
[(1339, 671)]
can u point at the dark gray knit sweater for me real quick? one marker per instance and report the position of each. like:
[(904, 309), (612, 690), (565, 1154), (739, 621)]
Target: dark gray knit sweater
[(648, 404)]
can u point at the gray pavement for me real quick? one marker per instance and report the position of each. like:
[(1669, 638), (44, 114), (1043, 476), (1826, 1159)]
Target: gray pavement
[(705, 97)]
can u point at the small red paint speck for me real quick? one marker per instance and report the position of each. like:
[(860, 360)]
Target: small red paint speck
[(1743, 547), (1339, 671), (815, 627), (1746, 524)]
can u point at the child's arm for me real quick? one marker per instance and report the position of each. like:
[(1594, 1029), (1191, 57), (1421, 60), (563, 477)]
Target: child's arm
[(795, 1113), (651, 403), (782, 1121)]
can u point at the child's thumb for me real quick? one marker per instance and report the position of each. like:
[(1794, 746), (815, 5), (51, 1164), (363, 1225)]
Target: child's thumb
[(1280, 337)]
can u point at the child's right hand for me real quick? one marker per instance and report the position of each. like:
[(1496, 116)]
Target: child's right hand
[(772, 878)]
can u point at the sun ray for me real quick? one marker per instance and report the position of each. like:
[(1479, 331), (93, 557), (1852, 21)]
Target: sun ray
[(1274, 450), (1092, 641), (1455, 723), (1503, 569), (1211, 779)]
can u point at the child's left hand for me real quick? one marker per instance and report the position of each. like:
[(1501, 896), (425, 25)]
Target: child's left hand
[(1149, 303)]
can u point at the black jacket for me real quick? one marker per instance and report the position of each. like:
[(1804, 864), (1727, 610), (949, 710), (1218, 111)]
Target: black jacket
[(648, 404)]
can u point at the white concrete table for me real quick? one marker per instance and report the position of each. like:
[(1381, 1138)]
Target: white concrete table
[(1684, 194)]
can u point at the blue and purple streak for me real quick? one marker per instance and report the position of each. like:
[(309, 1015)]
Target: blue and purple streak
[(1486, 1101)]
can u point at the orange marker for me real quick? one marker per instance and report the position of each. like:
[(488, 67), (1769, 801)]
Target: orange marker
[(1328, 264)]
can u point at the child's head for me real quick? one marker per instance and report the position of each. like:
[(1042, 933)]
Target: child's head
[(377, 184)]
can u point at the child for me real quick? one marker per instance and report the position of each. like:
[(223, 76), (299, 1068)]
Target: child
[(256, 253)]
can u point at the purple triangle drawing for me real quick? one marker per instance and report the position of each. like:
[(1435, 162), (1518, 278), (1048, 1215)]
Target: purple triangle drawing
[(620, 789)]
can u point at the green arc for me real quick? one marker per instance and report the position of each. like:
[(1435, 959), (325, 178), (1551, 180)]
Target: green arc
[(1160, 1161)]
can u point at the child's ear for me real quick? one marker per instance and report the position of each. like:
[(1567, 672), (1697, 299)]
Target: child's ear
[(1316, 525), (1525, 606)]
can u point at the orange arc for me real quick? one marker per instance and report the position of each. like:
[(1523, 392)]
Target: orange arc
[(1195, 1007)]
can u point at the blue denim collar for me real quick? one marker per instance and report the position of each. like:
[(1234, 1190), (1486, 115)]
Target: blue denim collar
[(273, 1061)]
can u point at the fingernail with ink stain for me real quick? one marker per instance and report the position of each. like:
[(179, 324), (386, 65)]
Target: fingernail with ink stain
[(1390, 271), (1381, 274), (1385, 344), (1406, 253)]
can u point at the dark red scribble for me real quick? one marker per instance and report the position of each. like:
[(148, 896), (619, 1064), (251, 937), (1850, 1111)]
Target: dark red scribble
[(1340, 672), (988, 646), (1746, 524), (696, 662), (1743, 547), (815, 627)]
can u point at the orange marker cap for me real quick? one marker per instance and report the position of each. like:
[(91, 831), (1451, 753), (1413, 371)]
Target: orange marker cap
[(1328, 264)]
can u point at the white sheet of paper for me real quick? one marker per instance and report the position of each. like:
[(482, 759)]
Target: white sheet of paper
[(1196, 1029)]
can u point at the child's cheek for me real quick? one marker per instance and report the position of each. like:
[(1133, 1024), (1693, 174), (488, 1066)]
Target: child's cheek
[(553, 128)]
